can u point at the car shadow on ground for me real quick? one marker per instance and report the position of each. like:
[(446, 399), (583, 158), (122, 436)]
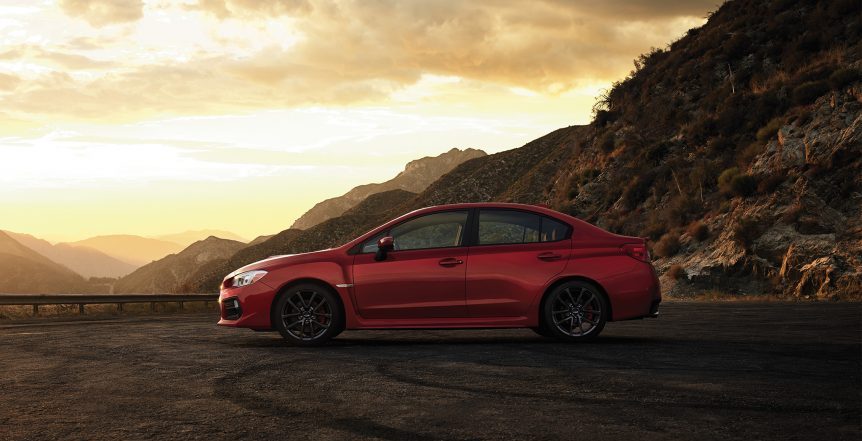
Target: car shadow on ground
[(271, 340)]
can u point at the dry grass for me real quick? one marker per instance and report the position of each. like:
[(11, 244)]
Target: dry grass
[(131, 309)]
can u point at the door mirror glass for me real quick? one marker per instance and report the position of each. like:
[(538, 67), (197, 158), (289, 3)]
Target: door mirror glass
[(384, 246), (386, 243)]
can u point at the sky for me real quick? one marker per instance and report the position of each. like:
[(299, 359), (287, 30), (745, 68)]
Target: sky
[(156, 117)]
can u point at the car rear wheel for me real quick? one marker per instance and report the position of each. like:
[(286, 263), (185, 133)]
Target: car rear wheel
[(575, 311), (308, 315)]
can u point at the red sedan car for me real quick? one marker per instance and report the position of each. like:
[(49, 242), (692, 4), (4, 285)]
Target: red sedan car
[(485, 265)]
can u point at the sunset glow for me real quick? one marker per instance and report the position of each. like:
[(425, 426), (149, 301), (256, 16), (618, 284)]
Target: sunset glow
[(163, 116)]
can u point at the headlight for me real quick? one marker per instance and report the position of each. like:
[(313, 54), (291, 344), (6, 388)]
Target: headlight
[(246, 278)]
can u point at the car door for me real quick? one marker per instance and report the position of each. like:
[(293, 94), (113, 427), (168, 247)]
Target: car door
[(423, 277), (513, 257)]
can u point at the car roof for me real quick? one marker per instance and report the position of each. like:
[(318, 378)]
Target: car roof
[(467, 205)]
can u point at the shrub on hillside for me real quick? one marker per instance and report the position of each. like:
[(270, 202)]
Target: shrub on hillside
[(769, 183), (732, 182), (681, 209), (746, 156), (843, 77), (809, 91), (746, 231), (743, 185), (605, 117), (726, 176), (676, 272), (655, 227), (637, 190), (768, 131), (698, 231), (606, 143), (667, 246)]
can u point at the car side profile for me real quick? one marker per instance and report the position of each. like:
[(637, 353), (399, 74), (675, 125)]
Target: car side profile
[(476, 265)]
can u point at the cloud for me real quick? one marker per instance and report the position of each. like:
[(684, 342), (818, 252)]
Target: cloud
[(231, 55), (228, 8), (8, 82), (104, 12)]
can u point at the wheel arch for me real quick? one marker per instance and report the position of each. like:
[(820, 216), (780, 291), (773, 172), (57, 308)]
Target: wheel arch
[(566, 279), (309, 280)]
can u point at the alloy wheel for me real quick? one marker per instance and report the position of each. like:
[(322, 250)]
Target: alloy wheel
[(306, 315), (576, 314)]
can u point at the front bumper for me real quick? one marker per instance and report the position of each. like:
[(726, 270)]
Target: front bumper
[(247, 306)]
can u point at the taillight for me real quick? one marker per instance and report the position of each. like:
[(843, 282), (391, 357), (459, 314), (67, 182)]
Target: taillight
[(638, 251)]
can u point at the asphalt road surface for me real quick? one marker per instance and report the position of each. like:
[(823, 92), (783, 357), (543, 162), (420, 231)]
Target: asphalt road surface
[(701, 371)]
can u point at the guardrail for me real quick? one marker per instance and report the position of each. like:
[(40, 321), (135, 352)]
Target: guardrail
[(81, 300)]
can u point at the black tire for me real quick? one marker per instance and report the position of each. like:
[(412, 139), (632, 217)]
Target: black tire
[(575, 311), (299, 315)]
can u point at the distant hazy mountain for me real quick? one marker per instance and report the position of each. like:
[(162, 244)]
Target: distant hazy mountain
[(170, 273), (135, 250), (187, 238), (85, 261), (417, 175), (25, 271)]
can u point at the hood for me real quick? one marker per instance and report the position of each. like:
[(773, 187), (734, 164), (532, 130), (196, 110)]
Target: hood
[(274, 262)]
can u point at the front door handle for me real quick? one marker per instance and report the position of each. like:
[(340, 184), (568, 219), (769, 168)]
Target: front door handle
[(550, 256), (450, 261)]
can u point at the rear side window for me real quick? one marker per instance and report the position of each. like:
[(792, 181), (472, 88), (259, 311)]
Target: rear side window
[(552, 230), (499, 227)]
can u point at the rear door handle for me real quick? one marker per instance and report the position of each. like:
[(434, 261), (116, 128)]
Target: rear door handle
[(550, 256), (450, 261)]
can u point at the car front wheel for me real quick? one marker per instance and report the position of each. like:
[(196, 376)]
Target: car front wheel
[(575, 311), (308, 315)]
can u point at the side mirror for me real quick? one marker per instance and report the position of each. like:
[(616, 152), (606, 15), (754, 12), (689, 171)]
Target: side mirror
[(384, 246)]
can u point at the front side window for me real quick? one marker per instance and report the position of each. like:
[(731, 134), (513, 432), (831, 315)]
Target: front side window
[(499, 227), (437, 230)]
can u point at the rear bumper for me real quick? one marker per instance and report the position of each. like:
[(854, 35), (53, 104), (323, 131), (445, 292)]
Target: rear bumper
[(656, 295), (653, 310), (634, 294)]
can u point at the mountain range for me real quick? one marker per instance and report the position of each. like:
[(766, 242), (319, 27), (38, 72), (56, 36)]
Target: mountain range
[(737, 150), (26, 271), (86, 261), (34, 265)]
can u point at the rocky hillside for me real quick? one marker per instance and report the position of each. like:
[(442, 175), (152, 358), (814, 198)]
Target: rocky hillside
[(171, 273), (85, 261), (26, 271), (737, 149), (417, 175)]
